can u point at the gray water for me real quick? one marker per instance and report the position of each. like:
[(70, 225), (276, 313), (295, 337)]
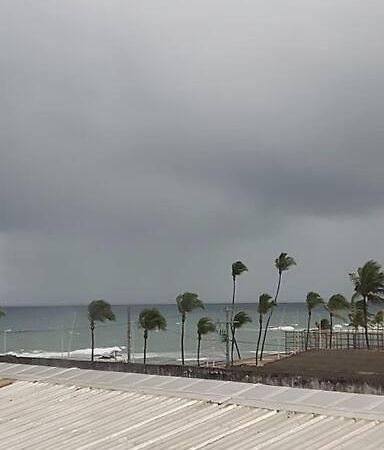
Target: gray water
[(63, 331)]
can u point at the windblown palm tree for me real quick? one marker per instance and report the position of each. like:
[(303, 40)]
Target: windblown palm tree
[(368, 282), (186, 303), (265, 305), (237, 269), (334, 306), (282, 264), (378, 319), (241, 318), (204, 326), (151, 319), (356, 316), (313, 300), (98, 311)]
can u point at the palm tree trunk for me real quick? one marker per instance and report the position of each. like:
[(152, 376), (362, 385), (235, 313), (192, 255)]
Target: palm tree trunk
[(237, 348), (270, 316), (198, 349), (366, 321), (259, 338), (92, 327), (232, 316), (377, 336), (308, 326), (182, 338), (145, 346), (331, 331)]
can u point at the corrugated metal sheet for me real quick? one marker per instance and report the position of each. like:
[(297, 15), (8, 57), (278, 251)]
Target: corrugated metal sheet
[(132, 411)]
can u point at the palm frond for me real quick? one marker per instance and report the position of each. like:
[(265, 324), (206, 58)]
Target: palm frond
[(188, 301), (369, 279), (284, 262), (265, 304), (238, 268), (205, 325), (336, 304), (100, 311), (241, 318), (313, 300), (152, 319)]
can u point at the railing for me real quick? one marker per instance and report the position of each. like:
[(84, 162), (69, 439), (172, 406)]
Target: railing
[(295, 341)]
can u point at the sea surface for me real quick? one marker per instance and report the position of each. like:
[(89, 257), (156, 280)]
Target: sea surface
[(63, 331)]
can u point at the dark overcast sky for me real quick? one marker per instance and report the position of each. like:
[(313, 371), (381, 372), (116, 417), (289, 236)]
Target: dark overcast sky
[(146, 145)]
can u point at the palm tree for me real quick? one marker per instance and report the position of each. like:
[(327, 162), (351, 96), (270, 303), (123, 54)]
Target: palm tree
[(241, 318), (378, 319), (237, 269), (151, 319), (282, 264), (368, 282), (204, 326), (313, 300), (335, 304), (265, 305), (98, 311), (356, 317), (186, 303)]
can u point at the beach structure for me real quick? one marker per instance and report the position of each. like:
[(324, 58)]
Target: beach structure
[(301, 340), (70, 408)]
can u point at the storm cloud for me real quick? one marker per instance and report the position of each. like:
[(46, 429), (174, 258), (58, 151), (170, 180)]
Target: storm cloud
[(147, 145)]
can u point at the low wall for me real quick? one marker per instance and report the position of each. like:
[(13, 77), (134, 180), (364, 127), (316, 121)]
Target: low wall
[(366, 384)]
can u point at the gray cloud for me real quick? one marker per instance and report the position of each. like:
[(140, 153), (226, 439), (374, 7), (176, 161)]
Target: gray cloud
[(145, 146)]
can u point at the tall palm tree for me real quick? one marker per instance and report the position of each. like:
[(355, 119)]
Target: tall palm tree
[(265, 305), (238, 268), (282, 264), (151, 319), (186, 303), (368, 282), (313, 300), (98, 311), (334, 306), (241, 318), (204, 326)]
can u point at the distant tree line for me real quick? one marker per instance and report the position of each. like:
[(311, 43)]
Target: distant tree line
[(368, 284)]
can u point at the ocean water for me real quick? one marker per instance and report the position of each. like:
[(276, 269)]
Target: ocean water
[(63, 331)]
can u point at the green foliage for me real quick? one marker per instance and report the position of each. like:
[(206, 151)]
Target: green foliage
[(2, 312), (238, 268), (284, 262), (152, 319), (265, 304), (356, 316), (100, 311), (240, 319), (368, 281), (378, 318), (313, 300), (337, 303), (324, 324), (187, 302), (205, 325)]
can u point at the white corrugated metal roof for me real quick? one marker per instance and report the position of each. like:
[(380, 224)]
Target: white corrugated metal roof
[(55, 408)]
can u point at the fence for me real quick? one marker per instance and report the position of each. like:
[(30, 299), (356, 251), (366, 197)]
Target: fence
[(295, 340)]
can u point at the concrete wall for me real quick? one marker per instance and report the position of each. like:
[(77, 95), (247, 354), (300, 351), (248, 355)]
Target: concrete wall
[(369, 384)]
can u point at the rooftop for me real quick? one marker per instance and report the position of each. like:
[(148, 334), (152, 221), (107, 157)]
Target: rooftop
[(58, 408)]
